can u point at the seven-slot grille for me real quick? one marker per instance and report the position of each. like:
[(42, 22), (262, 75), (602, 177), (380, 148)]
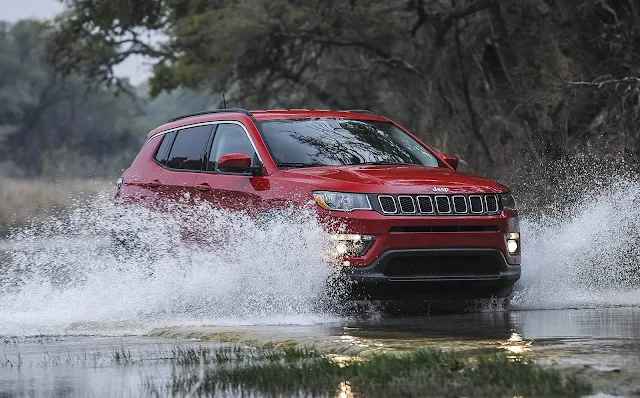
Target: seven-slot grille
[(439, 204)]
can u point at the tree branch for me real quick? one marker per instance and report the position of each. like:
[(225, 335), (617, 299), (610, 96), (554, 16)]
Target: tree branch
[(600, 84), (422, 17), (384, 56), (470, 9), (454, 14), (467, 98)]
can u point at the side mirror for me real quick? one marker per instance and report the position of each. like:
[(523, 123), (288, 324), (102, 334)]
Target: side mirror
[(234, 162), (451, 160)]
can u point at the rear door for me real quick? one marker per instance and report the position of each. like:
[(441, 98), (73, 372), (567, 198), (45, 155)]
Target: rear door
[(180, 158), (237, 190)]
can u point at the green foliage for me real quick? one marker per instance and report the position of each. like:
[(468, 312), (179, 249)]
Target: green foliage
[(496, 82), (419, 373), (56, 127), (159, 109)]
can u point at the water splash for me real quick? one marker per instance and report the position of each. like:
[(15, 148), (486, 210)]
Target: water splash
[(197, 265), (189, 265), (585, 254)]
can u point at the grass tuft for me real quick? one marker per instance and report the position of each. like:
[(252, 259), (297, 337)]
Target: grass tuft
[(424, 372)]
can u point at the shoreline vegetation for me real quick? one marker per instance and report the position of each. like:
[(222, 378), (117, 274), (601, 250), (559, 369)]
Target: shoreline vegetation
[(421, 372), (199, 369), (23, 201)]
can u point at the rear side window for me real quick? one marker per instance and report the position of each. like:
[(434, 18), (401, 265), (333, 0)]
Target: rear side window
[(230, 138), (188, 148), (163, 149)]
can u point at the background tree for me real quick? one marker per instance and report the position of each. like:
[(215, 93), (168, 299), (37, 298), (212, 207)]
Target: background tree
[(56, 127), (508, 85)]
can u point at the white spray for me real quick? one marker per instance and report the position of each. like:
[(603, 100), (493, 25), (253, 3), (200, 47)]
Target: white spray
[(190, 265), (198, 265)]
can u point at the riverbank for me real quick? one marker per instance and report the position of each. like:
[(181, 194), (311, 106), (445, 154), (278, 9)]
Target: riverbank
[(23, 201), (143, 366)]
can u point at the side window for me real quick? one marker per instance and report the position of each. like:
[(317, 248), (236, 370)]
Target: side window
[(230, 138), (188, 148), (163, 148)]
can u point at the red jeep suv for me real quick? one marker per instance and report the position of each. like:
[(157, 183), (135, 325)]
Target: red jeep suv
[(412, 227)]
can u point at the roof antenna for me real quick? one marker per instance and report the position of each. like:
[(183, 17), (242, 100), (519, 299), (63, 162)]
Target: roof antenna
[(224, 101)]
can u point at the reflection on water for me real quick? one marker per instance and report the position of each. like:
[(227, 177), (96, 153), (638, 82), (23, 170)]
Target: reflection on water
[(590, 323), (516, 346), (588, 336), (344, 390), (542, 324), (79, 366)]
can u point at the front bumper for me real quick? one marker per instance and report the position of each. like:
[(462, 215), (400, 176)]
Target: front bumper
[(433, 274)]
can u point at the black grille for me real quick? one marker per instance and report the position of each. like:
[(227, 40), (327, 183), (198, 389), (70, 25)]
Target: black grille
[(442, 204), (475, 202), (492, 203), (387, 204), (406, 204), (425, 204), (443, 265), (458, 204)]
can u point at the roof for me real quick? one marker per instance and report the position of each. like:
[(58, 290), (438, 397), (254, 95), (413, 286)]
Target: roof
[(273, 114), (262, 115)]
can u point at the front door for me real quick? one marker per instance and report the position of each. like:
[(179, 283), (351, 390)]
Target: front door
[(235, 190)]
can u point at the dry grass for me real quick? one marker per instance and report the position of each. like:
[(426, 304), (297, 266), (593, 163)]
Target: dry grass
[(22, 200)]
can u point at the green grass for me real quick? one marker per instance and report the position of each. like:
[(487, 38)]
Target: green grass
[(424, 372), (191, 355)]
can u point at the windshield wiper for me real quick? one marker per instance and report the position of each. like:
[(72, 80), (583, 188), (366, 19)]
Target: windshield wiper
[(298, 165), (385, 163)]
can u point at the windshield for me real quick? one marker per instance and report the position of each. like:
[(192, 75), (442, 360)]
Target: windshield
[(335, 142)]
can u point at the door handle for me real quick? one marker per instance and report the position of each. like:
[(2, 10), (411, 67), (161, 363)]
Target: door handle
[(154, 184), (203, 187)]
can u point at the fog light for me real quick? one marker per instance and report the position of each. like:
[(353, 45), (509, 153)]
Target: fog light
[(513, 243), (352, 245), (512, 246)]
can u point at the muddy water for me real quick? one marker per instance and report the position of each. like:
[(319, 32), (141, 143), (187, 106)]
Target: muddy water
[(86, 366), (603, 344), (600, 337)]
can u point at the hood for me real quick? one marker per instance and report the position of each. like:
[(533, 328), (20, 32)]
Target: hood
[(395, 179)]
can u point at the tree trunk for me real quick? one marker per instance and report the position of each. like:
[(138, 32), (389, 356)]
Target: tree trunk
[(467, 98)]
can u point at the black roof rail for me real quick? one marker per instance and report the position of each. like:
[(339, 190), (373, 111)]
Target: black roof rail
[(368, 112), (229, 110)]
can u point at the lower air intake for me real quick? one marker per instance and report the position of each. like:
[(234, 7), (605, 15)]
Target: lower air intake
[(442, 266)]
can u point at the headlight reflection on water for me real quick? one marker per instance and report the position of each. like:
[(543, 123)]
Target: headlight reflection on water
[(516, 346), (344, 390)]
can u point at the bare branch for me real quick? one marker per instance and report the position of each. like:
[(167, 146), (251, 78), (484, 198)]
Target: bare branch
[(385, 57), (453, 15), (600, 84), (422, 17)]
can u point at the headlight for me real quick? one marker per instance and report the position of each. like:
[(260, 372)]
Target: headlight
[(507, 201), (342, 201)]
